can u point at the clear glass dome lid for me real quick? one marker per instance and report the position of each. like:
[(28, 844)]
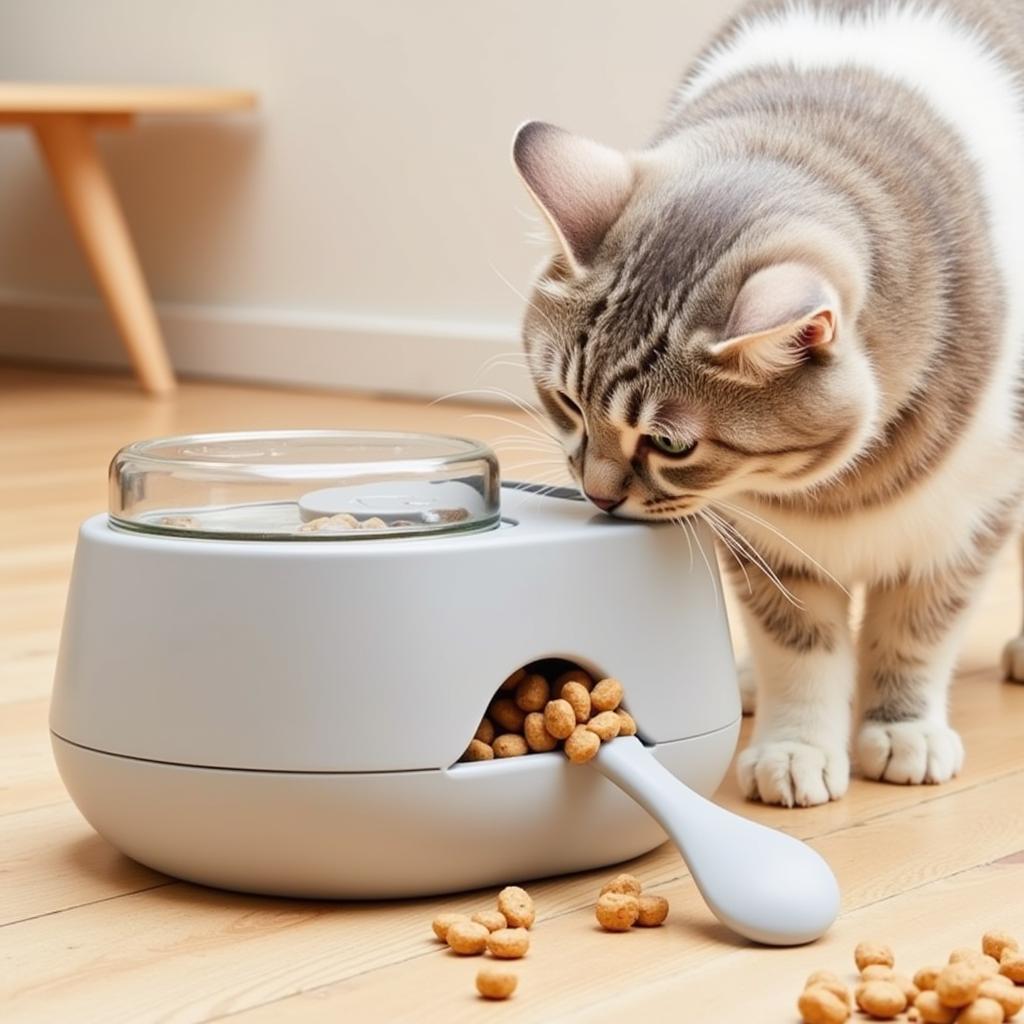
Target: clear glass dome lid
[(305, 485)]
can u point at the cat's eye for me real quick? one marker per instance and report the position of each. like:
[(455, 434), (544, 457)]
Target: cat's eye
[(670, 446), (569, 403)]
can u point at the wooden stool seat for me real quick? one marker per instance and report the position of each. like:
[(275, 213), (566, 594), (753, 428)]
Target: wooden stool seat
[(63, 118)]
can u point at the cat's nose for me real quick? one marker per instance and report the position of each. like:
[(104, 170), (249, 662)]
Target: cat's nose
[(604, 504)]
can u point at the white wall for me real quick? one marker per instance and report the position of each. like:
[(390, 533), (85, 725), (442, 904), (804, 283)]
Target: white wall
[(366, 214)]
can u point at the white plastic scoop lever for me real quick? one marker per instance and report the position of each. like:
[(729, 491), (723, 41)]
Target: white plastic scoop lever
[(761, 883)]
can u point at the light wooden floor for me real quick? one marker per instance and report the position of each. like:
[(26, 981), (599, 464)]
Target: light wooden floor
[(87, 935)]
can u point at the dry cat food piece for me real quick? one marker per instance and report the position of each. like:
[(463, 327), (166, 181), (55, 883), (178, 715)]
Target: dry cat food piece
[(478, 751), (653, 911), (559, 718), (817, 1005), (533, 693), (517, 906), (492, 920), (1012, 966), (509, 943), (607, 695), (987, 966), (1004, 992), (605, 726), (467, 938), (957, 984), (831, 982), (579, 697), (485, 731), (995, 942), (574, 675), (538, 739), (881, 999), (179, 522), (931, 1010), (510, 744), (837, 988), (873, 953), (513, 680), (981, 1011), (627, 726), (507, 714), (496, 982), (446, 515), (443, 922), (964, 953), (582, 745), (820, 976), (628, 884), (617, 911), (909, 989), (877, 972)]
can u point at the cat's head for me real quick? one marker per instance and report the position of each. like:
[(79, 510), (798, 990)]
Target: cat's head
[(694, 335)]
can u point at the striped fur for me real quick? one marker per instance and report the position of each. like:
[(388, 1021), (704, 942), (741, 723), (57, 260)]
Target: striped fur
[(877, 149)]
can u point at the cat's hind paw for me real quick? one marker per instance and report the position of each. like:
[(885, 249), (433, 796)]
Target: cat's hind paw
[(909, 753), (1013, 660), (793, 774)]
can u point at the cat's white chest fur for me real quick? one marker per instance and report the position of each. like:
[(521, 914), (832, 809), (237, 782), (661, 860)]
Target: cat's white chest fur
[(925, 529)]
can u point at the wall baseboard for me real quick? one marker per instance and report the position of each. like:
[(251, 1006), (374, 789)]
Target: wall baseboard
[(337, 351)]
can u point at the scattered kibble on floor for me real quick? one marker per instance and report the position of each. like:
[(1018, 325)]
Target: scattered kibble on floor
[(496, 982), (467, 938), (502, 932), (976, 986), (517, 906), (509, 943), (622, 904)]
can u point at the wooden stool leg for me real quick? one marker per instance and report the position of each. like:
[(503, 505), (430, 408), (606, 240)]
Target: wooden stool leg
[(70, 152)]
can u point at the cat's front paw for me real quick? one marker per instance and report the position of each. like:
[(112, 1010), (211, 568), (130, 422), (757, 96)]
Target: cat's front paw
[(909, 753), (748, 687), (1013, 660), (793, 774)]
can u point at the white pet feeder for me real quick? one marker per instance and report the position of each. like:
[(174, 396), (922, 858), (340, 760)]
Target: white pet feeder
[(251, 698)]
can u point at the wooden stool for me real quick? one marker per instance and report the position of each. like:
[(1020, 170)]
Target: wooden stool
[(63, 118)]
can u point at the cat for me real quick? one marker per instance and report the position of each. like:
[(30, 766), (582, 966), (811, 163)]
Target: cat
[(799, 315)]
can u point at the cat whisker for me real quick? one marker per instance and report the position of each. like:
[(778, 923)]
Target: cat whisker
[(497, 418), (687, 525), (532, 462), (515, 291), (778, 533), (749, 551), (523, 406), (716, 530), (536, 443), (689, 542)]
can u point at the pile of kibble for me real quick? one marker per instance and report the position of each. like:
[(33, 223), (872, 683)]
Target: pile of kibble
[(533, 713), (504, 932), (343, 522), (974, 987)]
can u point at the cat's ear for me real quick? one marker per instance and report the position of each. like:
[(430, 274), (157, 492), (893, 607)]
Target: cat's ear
[(580, 186), (782, 315)]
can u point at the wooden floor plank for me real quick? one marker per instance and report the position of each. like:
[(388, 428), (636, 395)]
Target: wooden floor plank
[(87, 935)]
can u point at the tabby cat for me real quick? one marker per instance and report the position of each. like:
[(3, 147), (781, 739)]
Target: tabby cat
[(799, 314)]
